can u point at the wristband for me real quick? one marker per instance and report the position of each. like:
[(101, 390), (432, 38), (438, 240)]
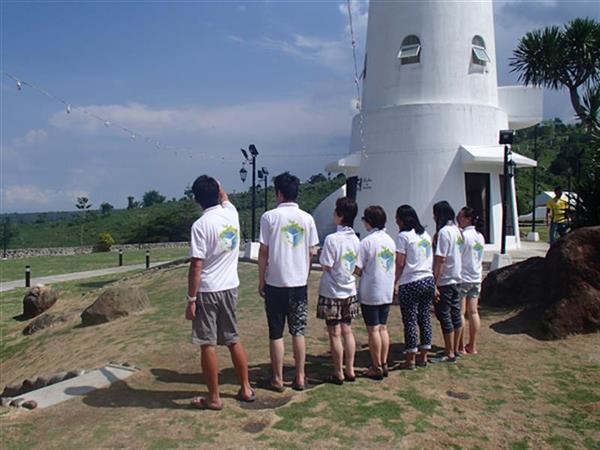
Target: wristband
[(189, 298)]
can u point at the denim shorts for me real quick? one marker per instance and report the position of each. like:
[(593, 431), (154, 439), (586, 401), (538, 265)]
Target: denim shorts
[(374, 315), (469, 289)]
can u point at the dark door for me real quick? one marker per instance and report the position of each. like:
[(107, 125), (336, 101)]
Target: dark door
[(477, 190)]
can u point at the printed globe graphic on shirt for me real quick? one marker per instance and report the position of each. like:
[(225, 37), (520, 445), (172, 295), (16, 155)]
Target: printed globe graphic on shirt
[(349, 261), (385, 258), (424, 247), (478, 250), (228, 238), (292, 234)]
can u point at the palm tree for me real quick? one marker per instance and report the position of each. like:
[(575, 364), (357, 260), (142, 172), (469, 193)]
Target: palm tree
[(567, 56)]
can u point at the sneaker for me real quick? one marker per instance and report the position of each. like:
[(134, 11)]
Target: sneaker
[(443, 359)]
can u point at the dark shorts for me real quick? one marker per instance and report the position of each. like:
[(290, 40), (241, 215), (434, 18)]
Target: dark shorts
[(215, 322), (337, 310), (375, 314), (448, 310), (283, 303)]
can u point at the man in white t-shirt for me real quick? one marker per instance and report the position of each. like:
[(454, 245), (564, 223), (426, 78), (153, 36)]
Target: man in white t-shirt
[(288, 237), (212, 289)]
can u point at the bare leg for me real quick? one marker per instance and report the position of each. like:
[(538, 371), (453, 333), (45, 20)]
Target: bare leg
[(349, 348), (449, 344), (240, 363), (299, 345), (337, 349), (457, 334), (375, 345), (474, 321), (461, 347), (410, 358), (385, 343), (423, 356), (276, 351), (210, 370)]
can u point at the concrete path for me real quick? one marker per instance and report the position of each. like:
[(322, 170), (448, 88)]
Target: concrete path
[(527, 250), (7, 286)]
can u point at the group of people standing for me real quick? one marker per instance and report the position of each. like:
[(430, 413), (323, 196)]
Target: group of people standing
[(420, 271)]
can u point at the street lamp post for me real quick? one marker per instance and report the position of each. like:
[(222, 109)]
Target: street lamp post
[(263, 174), (506, 139), (252, 160)]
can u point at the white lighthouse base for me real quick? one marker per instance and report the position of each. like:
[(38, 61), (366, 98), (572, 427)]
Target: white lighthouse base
[(499, 260), (533, 236)]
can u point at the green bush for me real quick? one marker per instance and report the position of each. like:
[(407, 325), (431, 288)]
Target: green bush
[(105, 242)]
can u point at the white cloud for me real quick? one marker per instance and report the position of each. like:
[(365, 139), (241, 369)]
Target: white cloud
[(24, 195), (31, 137), (236, 38)]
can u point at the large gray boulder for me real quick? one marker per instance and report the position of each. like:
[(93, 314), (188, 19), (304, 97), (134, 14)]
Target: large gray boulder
[(560, 293), (37, 300), (114, 303)]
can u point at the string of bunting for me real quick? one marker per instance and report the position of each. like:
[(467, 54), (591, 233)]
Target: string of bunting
[(137, 136)]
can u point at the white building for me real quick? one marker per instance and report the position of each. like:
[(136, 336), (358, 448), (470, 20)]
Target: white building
[(431, 115)]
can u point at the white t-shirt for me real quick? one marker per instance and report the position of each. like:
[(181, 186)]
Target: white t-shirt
[(472, 255), (449, 245), (216, 240), (377, 260), (419, 255), (340, 252), (290, 234)]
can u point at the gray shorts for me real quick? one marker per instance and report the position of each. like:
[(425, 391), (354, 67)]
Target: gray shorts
[(215, 322), (469, 289)]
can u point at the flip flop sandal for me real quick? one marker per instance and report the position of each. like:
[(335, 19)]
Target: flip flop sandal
[(298, 387), (469, 350), (373, 373), (384, 370), (241, 398), (266, 384), (332, 379), (407, 366), (200, 403), (349, 379)]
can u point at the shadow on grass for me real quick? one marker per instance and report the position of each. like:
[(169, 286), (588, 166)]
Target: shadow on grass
[(526, 321), (96, 284)]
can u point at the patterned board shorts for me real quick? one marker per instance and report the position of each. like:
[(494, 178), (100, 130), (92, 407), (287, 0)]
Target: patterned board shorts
[(335, 310)]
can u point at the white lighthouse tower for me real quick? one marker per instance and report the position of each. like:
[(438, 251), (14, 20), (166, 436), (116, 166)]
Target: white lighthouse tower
[(431, 115)]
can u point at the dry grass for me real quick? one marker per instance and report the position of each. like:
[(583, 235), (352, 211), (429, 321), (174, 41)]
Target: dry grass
[(523, 393)]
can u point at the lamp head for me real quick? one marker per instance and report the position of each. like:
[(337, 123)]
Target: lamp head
[(245, 153), (506, 137), (243, 174), (253, 150)]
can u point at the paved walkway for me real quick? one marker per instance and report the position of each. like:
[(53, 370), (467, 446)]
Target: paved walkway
[(7, 286), (527, 250)]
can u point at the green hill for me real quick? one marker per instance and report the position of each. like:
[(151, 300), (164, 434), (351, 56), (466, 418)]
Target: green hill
[(165, 222)]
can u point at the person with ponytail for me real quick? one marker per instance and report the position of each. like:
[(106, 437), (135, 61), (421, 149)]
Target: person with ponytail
[(470, 275), (446, 271), (414, 260)]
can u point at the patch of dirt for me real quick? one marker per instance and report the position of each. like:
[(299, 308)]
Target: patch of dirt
[(263, 402)]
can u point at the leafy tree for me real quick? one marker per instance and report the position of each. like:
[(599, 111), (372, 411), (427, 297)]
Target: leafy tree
[(132, 203), (188, 194), (567, 56), (106, 208), (83, 204), (152, 198), (317, 178)]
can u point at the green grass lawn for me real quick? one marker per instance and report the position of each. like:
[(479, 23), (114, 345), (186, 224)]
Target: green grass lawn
[(14, 269), (518, 393)]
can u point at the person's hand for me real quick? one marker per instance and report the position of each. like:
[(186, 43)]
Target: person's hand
[(436, 296), (261, 289), (190, 311), (222, 194)]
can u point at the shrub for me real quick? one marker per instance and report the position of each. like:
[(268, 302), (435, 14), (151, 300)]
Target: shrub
[(105, 242)]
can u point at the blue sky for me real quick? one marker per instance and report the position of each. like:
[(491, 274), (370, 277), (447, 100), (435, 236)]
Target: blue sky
[(202, 78)]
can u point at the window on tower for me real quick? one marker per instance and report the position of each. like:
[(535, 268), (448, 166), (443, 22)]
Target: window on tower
[(410, 51), (479, 54)]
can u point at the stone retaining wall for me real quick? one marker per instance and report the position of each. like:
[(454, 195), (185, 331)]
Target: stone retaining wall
[(64, 251)]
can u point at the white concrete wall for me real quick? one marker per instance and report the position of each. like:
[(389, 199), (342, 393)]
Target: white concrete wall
[(445, 73), (323, 214)]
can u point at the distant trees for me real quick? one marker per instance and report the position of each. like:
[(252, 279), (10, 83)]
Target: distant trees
[(106, 208), (8, 232), (317, 178), (132, 203), (152, 197)]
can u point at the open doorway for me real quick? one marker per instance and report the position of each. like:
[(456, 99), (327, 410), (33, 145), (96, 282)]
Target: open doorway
[(477, 190)]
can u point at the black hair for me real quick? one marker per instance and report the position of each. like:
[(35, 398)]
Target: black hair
[(288, 185), (347, 209), (476, 221), (206, 191), (557, 189), (409, 218), (375, 216), (442, 214)]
